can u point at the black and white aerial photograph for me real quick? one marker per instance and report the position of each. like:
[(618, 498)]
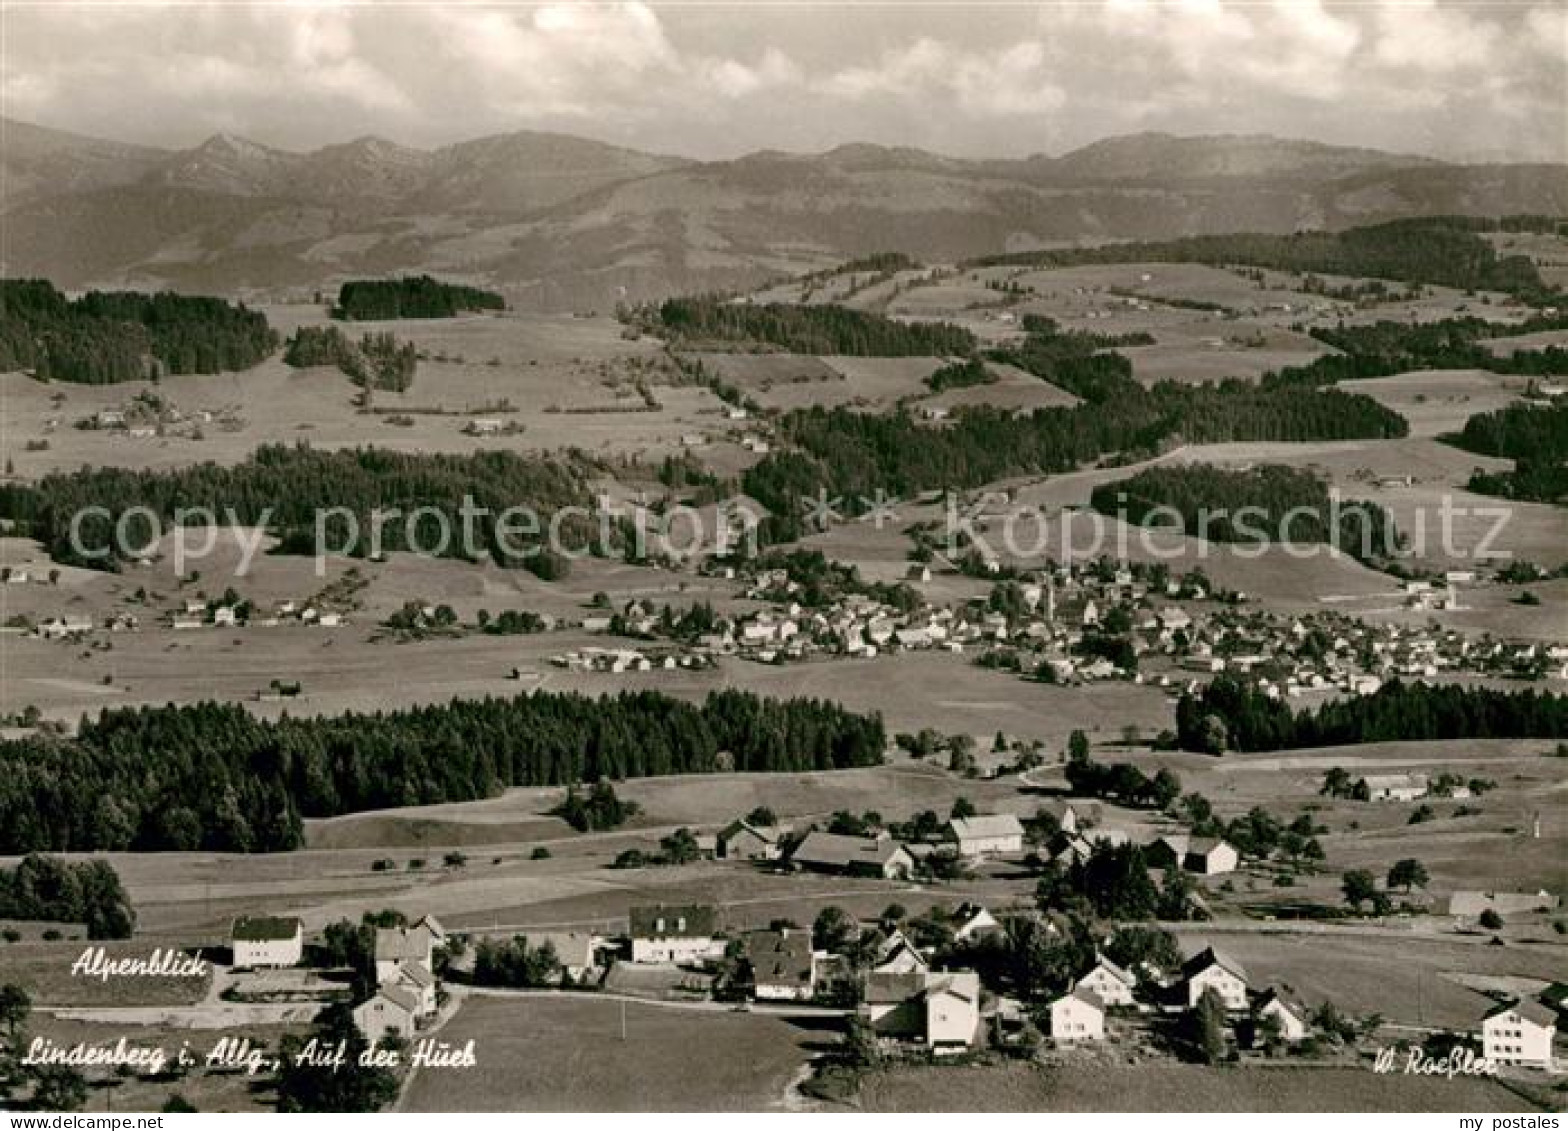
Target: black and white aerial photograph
[(753, 556)]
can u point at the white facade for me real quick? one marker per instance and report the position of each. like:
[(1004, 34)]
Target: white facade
[(267, 943), (388, 1011), (1074, 1017), (1231, 989), (1111, 985), (678, 950), (998, 834), (1519, 1034)]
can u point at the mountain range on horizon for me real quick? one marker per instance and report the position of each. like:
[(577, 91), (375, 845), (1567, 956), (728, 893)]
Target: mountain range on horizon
[(561, 222)]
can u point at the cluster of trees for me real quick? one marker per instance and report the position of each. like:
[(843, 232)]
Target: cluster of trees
[(1230, 714), (599, 809), (414, 296), (104, 337), (1444, 250), (1120, 781), (820, 329), (1256, 833), (1261, 506), (88, 891), (212, 776), (850, 454), (376, 361), (289, 487), (960, 375), (515, 964), (306, 1083)]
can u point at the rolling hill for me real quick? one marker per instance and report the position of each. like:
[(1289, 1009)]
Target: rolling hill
[(562, 222)]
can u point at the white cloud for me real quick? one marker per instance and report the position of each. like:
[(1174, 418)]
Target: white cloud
[(707, 80)]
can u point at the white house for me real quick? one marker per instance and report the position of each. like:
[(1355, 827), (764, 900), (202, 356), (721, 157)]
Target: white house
[(952, 1010), (897, 955), (397, 947), (998, 833), (1519, 1032), (1077, 1016), (974, 922), (1108, 982), (1211, 970), (741, 840), (1396, 787), (392, 1010), (675, 934), (1210, 856), (260, 942), (1289, 1016)]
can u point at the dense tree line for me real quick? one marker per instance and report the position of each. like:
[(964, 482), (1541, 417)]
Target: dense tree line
[(823, 329), (212, 776), (414, 296), (851, 455), (1519, 431), (960, 375), (1535, 437), (376, 361), (105, 337), (1270, 504), (1230, 714), (287, 487), (1447, 251), (88, 891)]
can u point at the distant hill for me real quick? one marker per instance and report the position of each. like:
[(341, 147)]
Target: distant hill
[(562, 222)]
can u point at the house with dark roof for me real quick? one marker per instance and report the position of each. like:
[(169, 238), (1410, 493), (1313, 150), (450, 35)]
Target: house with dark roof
[(1210, 969), (1111, 984), (782, 964), (994, 834), (393, 1010), (1078, 1015), (853, 855), (261, 941), (1285, 1013), (1210, 856), (939, 1009), (677, 933), (1519, 1032), (741, 840)]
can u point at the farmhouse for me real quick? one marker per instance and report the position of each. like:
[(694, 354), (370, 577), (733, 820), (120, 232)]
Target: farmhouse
[(1108, 982), (1519, 1032), (676, 934), (393, 1010), (573, 950), (986, 836), (783, 965), (1288, 1015), (1168, 853), (939, 1010), (1211, 970), (1396, 787), (397, 947), (1078, 1016), (853, 855), (263, 941), (1210, 856), (740, 840)]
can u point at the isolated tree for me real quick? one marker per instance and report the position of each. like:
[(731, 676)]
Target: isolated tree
[(1077, 746), (962, 807), (1360, 887), (1408, 873), (762, 816), (832, 928), (1491, 920), (1207, 1024)]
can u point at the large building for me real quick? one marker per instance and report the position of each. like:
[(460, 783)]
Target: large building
[(261, 942), (853, 855), (994, 835), (939, 1009), (1519, 1033), (678, 934)]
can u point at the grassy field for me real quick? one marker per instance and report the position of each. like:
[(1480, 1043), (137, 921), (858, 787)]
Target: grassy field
[(1093, 1083), (43, 969), (560, 1054)]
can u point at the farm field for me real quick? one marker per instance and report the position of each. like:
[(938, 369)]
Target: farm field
[(1087, 1084), (569, 1055)]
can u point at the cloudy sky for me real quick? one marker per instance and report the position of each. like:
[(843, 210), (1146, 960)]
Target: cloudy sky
[(1479, 81)]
